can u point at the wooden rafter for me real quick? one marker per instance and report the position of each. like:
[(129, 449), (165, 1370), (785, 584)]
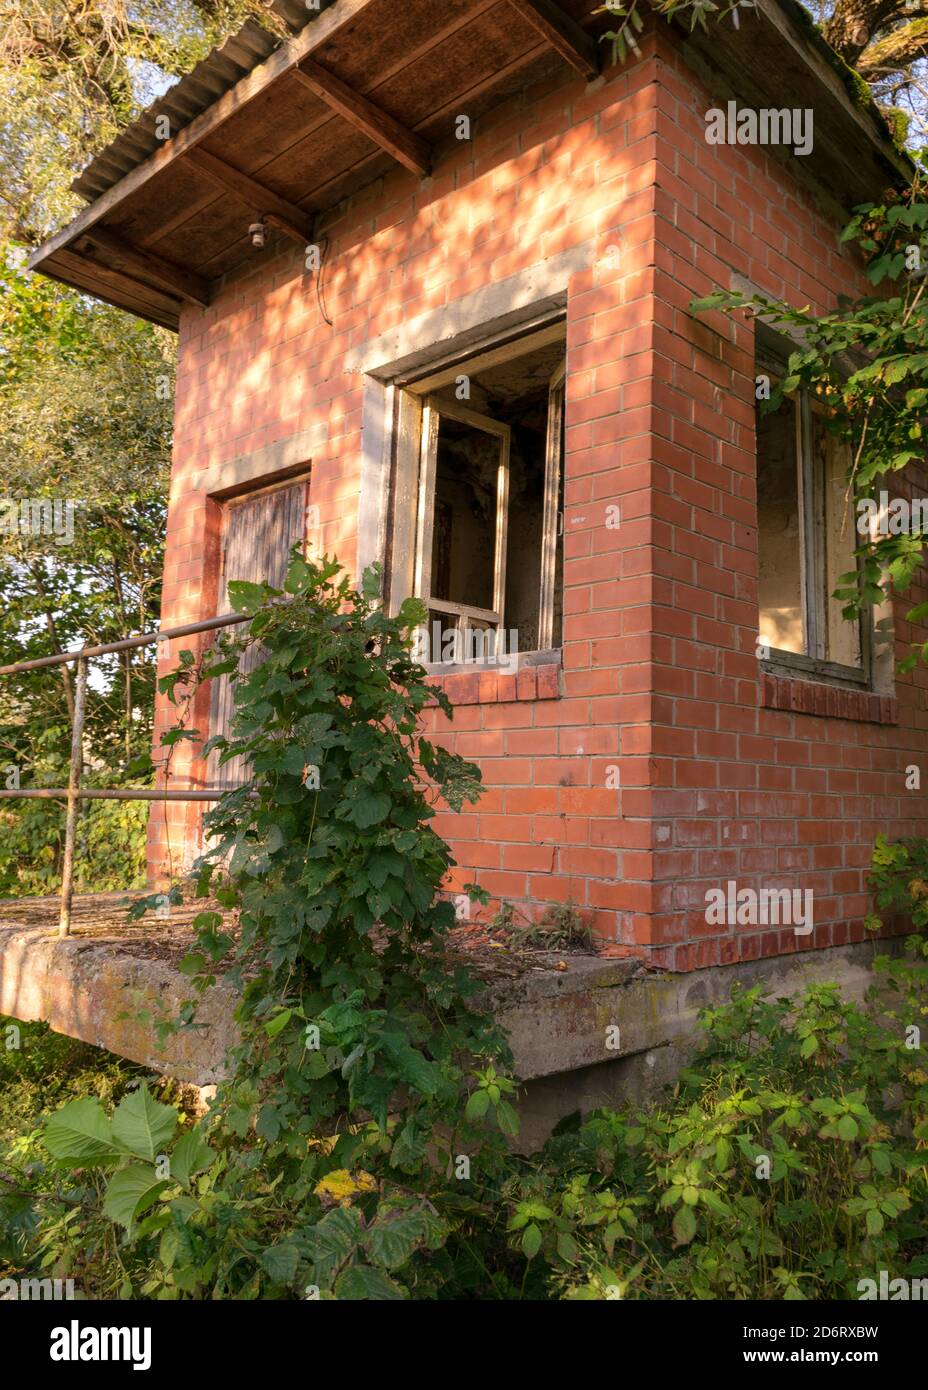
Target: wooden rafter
[(108, 284), (404, 145), (562, 33), (147, 265), (278, 211), (323, 28)]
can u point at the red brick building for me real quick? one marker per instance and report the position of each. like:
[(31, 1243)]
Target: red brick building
[(486, 374)]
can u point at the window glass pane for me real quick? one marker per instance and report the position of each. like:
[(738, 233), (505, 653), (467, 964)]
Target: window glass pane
[(782, 624), (526, 513), (830, 455), (464, 524)]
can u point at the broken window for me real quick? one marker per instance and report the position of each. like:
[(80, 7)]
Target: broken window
[(806, 536), (479, 499), (259, 530)]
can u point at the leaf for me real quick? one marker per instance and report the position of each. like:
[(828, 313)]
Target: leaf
[(336, 1236), (280, 1262), (278, 1023), (363, 1282), (191, 1156), (393, 1238), (714, 301), (246, 597), (268, 1123), (409, 1146), (684, 1225), (341, 1186), (531, 1241), (567, 1247), (131, 1191), (143, 1125), (507, 1118), (194, 963), (874, 1222), (477, 1105), (80, 1133), (370, 809), (847, 1128), (415, 1069)]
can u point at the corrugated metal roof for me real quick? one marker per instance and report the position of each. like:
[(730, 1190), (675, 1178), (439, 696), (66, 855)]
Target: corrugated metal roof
[(192, 95)]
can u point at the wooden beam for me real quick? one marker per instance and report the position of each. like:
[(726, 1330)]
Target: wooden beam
[(283, 214), (148, 265), (562, 33), (323, 28), (409, 149), (115, 287)]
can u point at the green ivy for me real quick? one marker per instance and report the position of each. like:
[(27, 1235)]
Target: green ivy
[(867, 363)]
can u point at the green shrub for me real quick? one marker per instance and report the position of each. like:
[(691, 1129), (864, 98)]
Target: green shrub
[(359, 1150), (899, 874), (41, 1228), (788, 1163), (109, 849)]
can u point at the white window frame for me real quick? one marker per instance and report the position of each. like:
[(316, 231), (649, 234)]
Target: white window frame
[(433, 412)]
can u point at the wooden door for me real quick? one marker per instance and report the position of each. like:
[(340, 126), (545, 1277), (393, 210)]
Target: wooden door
[(258, 535)]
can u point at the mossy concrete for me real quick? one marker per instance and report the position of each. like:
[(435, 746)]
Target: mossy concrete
[(108, 995)]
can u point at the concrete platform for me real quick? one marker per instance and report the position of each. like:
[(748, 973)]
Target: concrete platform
[(584, 1030)]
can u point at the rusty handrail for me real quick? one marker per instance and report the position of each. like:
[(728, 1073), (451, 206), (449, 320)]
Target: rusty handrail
[(127, 643), (74, 792), (110, 794)]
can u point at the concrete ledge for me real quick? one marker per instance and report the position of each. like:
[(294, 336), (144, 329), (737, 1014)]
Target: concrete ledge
[(600, 1011), (103, 993), (598, 1038), (623, 1028)]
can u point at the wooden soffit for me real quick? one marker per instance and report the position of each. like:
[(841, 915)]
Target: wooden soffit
[(365, 86)]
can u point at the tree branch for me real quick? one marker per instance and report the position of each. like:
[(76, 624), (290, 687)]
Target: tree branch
[(895, 50)]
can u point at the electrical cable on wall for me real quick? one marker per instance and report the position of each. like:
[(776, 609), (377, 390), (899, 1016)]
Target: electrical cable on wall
[(320, 287)]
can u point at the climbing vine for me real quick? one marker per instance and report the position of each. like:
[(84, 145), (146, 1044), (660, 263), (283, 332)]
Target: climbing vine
[(341, 1145), (867, 362)]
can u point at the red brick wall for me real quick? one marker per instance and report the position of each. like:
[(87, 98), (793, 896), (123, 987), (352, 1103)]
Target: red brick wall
[(659, 676), (749, 782)]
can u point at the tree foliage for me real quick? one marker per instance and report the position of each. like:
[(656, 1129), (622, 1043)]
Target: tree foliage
[(74, 72), (85, 429)]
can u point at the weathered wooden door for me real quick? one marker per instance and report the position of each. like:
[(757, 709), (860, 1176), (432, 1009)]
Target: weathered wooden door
[(258, 535)]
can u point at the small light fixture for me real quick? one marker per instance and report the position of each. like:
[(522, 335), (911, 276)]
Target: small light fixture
[(258, 233)]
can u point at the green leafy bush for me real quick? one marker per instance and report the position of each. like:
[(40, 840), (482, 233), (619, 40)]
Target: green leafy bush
[(361, 1148), (899, 874), (109, 850), (43, 1228), (788, 1163), (360, 1035)]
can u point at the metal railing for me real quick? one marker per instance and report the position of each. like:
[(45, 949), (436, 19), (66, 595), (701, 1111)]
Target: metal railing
[(74, 792)]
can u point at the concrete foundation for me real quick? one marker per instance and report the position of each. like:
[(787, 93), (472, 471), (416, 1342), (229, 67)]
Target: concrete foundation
[(595, 1033)]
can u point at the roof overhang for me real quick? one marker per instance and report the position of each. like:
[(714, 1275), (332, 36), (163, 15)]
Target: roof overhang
[(298, 124), (783, 61)]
